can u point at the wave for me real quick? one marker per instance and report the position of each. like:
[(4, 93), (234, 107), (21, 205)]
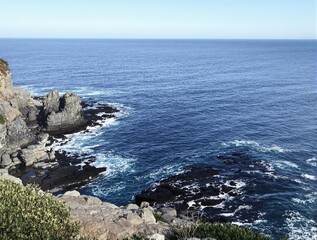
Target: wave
[(300, 227), (255, 145), (312, 161), (308, 176), (114, 163)]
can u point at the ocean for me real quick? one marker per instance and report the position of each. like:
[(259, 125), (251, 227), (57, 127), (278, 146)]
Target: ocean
[(193, 103)]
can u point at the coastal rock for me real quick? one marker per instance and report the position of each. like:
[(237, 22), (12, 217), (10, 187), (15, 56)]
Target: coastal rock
[(51, 102), (132, 206), (5, 175), (107, 221), (73, 193), (156, 236), (170, 211), (147, 216), (35, 153), (62, 114), (8, 112), (5, 160)]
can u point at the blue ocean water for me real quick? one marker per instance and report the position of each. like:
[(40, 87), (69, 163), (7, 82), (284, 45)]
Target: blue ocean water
[(187, 102)]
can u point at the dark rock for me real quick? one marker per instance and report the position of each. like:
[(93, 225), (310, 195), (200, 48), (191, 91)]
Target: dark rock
[(66, 177), (211, 202)]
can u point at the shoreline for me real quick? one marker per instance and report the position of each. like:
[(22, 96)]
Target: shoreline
[(68, 171)]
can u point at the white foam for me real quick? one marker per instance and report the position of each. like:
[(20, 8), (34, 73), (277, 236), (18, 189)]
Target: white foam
[(286, 164), (312, 161), (307, 176), (247, 207), (255, 145), (306, 199), (300, 227), (114, 163)]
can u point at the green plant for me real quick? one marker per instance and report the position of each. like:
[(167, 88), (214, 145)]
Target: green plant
[(159, 217), (29, 213), (223, 231), (2, 119), (137, 237)]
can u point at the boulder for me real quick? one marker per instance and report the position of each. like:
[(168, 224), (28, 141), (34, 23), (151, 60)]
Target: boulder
[(5, 160), (169, 211), (132, 206), (133, 218), (73, 193), (5, 175), (93, 200), (147, 216), (144, 204)]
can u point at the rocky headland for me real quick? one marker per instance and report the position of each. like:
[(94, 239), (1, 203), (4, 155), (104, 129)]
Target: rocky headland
[(30, 125)]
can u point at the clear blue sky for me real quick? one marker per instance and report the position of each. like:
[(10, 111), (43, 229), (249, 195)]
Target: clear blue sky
[(159, 19)]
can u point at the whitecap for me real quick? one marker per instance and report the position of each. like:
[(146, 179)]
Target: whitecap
[(308, 176), (285, 164), (114, 163), (299, 226), (312, 161), (241, 207), (255, 145)]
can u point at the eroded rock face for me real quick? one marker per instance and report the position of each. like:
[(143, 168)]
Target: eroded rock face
[(35, 153), (102, 220), (62, 113)]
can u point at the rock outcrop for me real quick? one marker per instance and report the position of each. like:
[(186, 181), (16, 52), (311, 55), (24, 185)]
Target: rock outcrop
[(62, 114), (14, 133), (23, 119), (102, 220)]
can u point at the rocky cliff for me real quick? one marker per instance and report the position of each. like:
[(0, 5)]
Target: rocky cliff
[(24, 121)]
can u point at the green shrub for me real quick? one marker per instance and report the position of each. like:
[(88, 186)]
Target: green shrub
[(2, 119), (223, 231), (29, 213), (137, 237), (159, 217)]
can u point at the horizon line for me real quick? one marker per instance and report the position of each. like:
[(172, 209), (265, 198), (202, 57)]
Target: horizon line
[(110, 38)]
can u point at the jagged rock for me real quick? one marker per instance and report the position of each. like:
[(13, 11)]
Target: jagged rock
[(8, 112), (5, 175), (18, 134), (104, 221), (51, 102), (147, 216), (62, 113)]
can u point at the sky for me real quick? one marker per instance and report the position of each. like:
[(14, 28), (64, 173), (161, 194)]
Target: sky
[(188, 19)]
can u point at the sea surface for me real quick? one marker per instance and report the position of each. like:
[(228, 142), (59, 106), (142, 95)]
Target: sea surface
[(185, 103)]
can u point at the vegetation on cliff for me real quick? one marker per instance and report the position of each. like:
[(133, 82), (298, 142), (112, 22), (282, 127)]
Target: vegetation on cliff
[(29, 213), (223, 231), (4, 67)]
